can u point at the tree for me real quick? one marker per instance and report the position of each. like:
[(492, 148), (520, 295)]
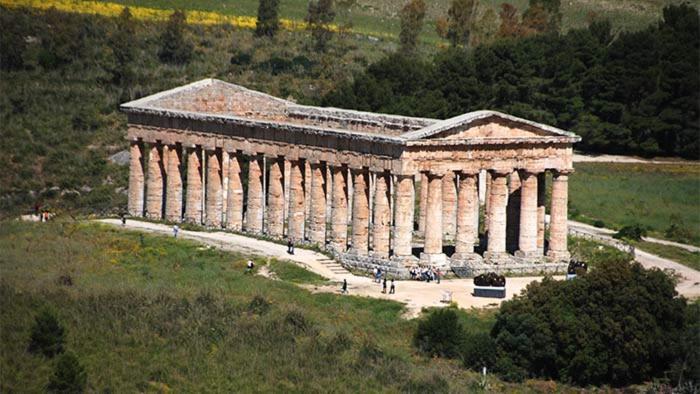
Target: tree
[(510, 22), (121, 43), (552, 10), (484, 31), (175, 48), (268, 19), (47, 336), (460, 18), (440, 333), (69, 376), (12, 43), (319, 17), (535, 20), (412, 15)]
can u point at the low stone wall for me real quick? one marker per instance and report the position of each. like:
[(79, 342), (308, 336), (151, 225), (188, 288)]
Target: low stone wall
[(394, 268), (514, 268), (617, 244)]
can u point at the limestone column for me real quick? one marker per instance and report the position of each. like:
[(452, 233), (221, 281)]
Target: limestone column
[(360, 211), (498, 195), (339, 209), (487, 201), (193, 198), (527, 240), (173, 202), (558, 227), (295, 230), (317, 219), (403, 216), (541, 197), (254, 211), (154, 183), (214, 194), (432, 251), (449, 205), (381, 230), (234, 203), (423, 202), (513, 212), (468, 204), (136, 179), (275, 198)]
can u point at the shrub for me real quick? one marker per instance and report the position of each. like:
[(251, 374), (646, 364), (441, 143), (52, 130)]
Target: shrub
[(268, 20), (599, 223), (68, 376), (478, 350), (47, 335), (678, 232), (258, 305), (440, 333), (433, 384), (633, 232), (174, 46)]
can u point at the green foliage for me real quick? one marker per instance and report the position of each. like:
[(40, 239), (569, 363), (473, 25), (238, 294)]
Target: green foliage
[(460, 17), (478, 350), (319, 16), (440, 333), (268, 19), (633, 232), (619, 324), (121, 43), (47, 335), (412, 16), (175, 47), (12, 41), (69, 375)]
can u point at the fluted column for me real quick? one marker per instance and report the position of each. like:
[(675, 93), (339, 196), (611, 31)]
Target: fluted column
[(193, 198), (173, 202), (295, 230), (513, 212), (449, 205), (339, 209), (487, 200), (541, 197), (154, 183), (527, 241), (275, 198), (432, 251), (558, 227), (360, 211), (214, 195), (467, 215), (403, 217), (254, 211), (381, 230), (136, 179), (497, 216), (423, 202), (317, 219), (234, 203)]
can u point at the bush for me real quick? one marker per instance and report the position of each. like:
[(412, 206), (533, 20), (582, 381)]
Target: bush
[(258, 305), (599, 224), (440, 333), (68, 376), (174, 47), (633, 232), (478, 350), (47, 335), (678, 232)]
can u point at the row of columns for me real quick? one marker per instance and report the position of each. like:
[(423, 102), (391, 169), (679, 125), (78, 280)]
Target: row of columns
[(449, 203)]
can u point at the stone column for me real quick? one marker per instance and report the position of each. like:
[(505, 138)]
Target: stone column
[(527, 240), (513, 212), (154, 183), (295, 230), (423, 202), (339, 209), (193, 199), (449, 205), (360, 211), (275, 198), (136, 179), (234, 205), (214, 194), (558, 228), (487, 201), (432, 252), (317, 219), (173, 202), (468, 204), (498, 195), (541, 197), (306, 183), (403, 219), (254, 211), (381, 230)]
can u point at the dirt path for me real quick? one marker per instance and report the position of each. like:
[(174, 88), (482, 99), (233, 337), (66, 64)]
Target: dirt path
[(602, 158)]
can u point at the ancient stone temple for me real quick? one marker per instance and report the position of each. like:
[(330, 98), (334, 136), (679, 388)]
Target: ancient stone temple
[(466, 193)]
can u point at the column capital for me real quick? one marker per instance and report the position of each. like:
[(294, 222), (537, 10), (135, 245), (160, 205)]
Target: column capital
[(530, 171), (500, 171), (564, 171), (469, 172), (434, 174)]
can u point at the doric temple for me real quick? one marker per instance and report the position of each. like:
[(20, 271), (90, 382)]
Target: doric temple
[(467, 193)]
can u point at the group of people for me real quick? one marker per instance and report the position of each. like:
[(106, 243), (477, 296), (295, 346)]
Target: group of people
[(43, 214), (380, 277), (426, 274)]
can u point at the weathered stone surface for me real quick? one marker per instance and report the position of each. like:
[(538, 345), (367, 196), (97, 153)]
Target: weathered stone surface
[(381, 229), (193, 202), (432, 251), (339, 212), (295, 230), (154, 183), (317, 199), (496, 245), (234, 204), (254, 211), (214, 195), (513, 212), (136, 179), (423, 202), (275, 198), (449, 205), (360, 212), (527, 241), (468, 207), (558, 228), (173, 193), (541, 211), (403, 232)]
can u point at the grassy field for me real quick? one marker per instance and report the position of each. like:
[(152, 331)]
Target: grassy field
[(683, 256), (653, 195)]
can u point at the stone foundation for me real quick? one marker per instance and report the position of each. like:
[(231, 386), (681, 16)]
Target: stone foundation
[(472, 269)]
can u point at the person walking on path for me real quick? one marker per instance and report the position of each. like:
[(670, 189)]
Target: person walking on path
[(123, 220), (438, 274), (176, 229), (290, 246), (384, 286), (374, 273), (392, 289), (344, 289), (249, 267)]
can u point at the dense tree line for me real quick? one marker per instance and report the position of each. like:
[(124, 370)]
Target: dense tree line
[(633, 92)]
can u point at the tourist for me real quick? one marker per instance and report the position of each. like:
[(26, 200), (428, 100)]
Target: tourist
[(249, 266), (379, 275), (384, 286), (123, 220), (374, 273), (438, 274), (392, 289), (344, 289), (290, 246), (176, 229)]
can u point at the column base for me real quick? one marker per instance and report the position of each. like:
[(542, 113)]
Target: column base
[(437, 259), (379, 255), (407, 261), (465, 257), (531, 254), (357, 252), (559, 255), (497, 257)]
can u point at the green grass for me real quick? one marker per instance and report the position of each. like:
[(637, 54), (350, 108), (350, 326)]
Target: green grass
[(290, 272), (653, 195), (594, 253), (679, 255), (170, 313)]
